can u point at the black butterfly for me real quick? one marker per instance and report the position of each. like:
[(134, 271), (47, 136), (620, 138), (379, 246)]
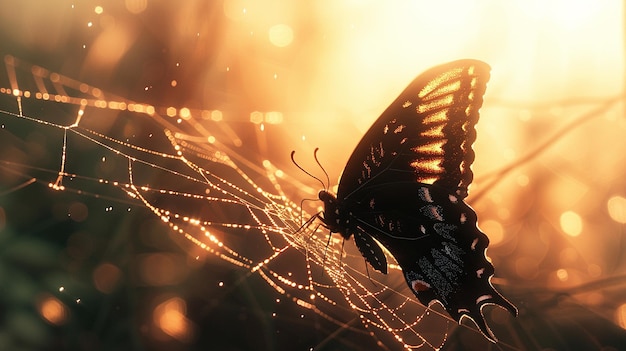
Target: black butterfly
[(404, 186)]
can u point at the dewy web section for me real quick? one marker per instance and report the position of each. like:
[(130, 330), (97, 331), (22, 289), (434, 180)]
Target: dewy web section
[(232, 208)]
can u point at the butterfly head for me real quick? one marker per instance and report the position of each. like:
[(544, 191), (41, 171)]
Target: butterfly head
[(331, 215), (327, 197)]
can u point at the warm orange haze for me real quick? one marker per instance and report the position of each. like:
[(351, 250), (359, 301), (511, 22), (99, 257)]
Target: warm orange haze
[(146, 185)]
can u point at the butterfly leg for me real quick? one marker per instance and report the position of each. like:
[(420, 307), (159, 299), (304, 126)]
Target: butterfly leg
[(306, 224)]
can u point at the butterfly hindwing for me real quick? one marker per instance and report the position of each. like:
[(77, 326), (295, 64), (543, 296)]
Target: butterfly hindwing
[(433, 236), (372, 252)]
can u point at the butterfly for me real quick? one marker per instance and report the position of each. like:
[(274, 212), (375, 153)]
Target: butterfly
[(404, 186)]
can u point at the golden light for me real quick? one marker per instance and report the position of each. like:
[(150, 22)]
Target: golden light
[(169, 317), (184, 113), (594, 270), (571, 223), (136, 6), (327, 71), (111, 44), (526, 267), (281, 35), (216, 115), (522, 180), (171, 111), (617, 209), (274, 117), (562, 274), (234, 9), (620, 316), (256, 117), (52, 310), (563, 13), (494, 231)]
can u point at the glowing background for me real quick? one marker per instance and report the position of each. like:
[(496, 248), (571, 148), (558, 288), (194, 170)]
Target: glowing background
[(285, 75)]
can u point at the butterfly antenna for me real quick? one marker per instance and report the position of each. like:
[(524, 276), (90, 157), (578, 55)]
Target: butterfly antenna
[(319, 164), (303, 170)]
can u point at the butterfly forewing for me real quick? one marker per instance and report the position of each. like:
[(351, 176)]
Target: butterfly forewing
[(425, 135)]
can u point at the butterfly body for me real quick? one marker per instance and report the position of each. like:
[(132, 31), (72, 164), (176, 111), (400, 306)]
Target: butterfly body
[(404, 188)]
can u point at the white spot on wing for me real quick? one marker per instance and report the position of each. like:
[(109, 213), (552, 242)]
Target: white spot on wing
[(483, 298), (480, 272), (474, 244), (419, 285), (424, 194), (435, 211)]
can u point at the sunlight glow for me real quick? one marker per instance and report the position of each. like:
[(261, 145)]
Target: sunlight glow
[(620, 316), (327, 75), (136, 6), (281, 35), (562, 275), (617, 209), (494, 231), (571, 223)]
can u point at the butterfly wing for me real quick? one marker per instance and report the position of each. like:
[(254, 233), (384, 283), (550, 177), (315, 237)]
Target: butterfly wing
[(425, 135), (370, 249), (433, 236), (405, 183)]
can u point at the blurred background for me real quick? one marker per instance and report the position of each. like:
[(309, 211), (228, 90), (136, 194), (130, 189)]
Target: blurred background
[(92, 269)]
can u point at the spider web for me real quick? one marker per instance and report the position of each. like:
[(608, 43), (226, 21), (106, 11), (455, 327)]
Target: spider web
[(234, 210), (228, 207)]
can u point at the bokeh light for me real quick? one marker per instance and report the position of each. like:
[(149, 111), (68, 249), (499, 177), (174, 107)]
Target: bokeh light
[(169, 317), (53, 310), (617, 209), (281, 35), (571, 223)]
